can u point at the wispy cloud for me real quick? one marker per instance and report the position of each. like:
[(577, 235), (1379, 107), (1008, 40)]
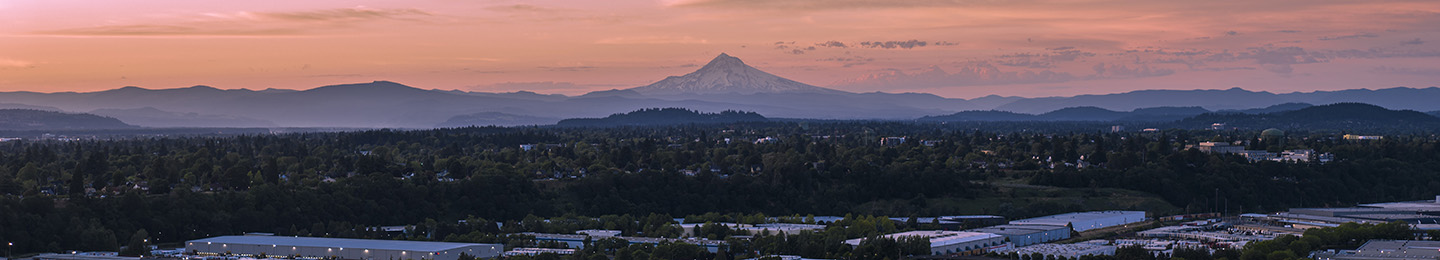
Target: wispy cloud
[(1117, 71), (818, 4), (1347, 37), (246, 24), (168, 30), (345, 15), (524, 8), (542, 87), (13, 63), (536, 13), (653, 40), (1043, 60), (894, 44), (904, 44), (568, 68), (1407, 71), (977, 74), (832, 44)]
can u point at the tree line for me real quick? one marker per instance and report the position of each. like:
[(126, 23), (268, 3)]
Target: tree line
[(96, 195)]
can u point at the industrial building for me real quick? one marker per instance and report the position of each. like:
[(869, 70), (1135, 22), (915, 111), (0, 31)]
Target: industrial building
[(1203, 234), (83, 256), (1386, 250), (1426, 207), (1424, 215), (599, 232), (956, 222), (343, 248), (1024, 235), (948, 242), (519, 251), (769, 229), (1065, 250), (578, 240), (1083, 221), (976, 220)]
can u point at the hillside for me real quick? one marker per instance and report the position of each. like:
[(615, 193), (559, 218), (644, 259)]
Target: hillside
[(1153, 114), (1340, 116), (27, 119), (1270, 109), (496, 119), (663, 116), (988, 115), (152, 117)]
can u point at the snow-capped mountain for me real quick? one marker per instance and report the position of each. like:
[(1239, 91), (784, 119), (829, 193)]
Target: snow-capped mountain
[(728, 75)]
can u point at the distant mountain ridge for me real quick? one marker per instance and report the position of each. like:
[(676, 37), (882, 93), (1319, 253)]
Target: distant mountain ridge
[(1233, 99), (1155, 114), (28, 119), (725, 83), (152, 117), (664, 116)]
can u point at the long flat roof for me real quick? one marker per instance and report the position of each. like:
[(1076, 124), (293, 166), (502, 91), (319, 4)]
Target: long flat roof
[(1062, 219), (83, 256), (1389, 249), (1334, 220), (1018, 229), (1423, 205), (338, 243), (937, 238)]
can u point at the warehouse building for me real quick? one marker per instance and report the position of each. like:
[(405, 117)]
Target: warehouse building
[(82, 256), (956, 222), (529, 251), (1065, 250), (343, 248), (1424, 215), (949, 242), (1024, 235), (578, 240), (1386, 250), (1083, 221)]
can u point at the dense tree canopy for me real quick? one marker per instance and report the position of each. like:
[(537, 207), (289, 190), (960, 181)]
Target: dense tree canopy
[(96, 195)]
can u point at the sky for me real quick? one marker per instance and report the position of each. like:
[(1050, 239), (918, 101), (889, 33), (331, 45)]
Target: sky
[(951, 48)]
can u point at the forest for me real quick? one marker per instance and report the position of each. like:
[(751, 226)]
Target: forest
[(102, 194)]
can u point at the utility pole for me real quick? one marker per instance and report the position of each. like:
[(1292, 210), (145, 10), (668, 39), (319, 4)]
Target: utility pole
[(1217, 200)]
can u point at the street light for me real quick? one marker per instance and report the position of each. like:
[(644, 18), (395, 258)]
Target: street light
[(10, 252)]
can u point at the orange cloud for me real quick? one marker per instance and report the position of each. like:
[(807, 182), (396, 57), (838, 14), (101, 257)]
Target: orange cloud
[(12, 63)]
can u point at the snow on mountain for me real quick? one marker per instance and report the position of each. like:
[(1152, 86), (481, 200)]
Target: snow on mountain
[(725, 75)]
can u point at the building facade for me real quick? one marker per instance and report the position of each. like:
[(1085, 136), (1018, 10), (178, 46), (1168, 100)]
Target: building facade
[(1024, 235), (343, 248), (1083, 221), (948, 242)]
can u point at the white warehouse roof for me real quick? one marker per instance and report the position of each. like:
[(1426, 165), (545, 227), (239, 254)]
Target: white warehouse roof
[(937, 238), (401, 245), (1018, 229), (1067, 218)]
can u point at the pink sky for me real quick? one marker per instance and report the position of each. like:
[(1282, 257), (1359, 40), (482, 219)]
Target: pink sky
[(970, 48)]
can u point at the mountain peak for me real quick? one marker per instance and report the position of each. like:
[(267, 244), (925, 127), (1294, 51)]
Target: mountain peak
[(373, 88), (726, 75), (725, 61)]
